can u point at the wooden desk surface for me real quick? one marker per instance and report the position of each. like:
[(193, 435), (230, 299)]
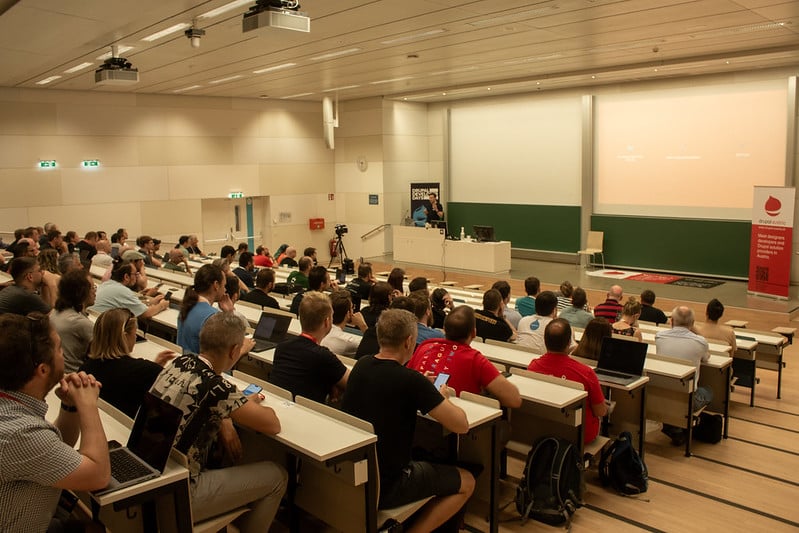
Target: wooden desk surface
[(669, 369), (504, 354), (546, 393), (311, 433), (184, 280), (476, 413)]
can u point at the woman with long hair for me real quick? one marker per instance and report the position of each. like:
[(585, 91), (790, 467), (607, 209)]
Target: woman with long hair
[(379, 299), (396, 278), (197, 305), (125, 379), (591, 342)]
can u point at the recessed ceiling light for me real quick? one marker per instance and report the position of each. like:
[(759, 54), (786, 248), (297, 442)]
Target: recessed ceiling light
[(121, 49), (168, 31), (189, 88), (336, 54), (78, 67), (340, 88), (223, 9), (272, 69), (488, 88), (223, 80), (390, 80), (47, 80), (443, 94), (593, 77)]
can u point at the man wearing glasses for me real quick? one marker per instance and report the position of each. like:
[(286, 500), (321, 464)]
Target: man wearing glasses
[(22, 297), (119, 291)]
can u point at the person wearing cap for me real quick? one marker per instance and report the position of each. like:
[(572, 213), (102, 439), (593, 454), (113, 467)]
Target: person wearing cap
[(146, 246), (137, 259)]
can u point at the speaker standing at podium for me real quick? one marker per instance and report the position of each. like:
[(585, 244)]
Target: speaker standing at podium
[(434, 210)]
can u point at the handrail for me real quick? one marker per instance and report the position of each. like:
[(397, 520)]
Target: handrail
[(374, 230)]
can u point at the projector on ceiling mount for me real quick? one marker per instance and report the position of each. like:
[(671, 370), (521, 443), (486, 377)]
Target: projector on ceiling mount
[(116, 71), (267, 14)]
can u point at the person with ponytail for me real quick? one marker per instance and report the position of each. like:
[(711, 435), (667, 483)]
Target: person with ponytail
[(197, 305)]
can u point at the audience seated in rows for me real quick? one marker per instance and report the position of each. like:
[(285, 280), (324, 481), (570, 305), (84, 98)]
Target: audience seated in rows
[(440, 304), (382, 391), (125, 378), (146, 246), (682, 342), (21, 297), (556, 362), (303, 366), (564, 295), (87, 247), (76, 292), (491, 323), (119, 291), (38, 457), (512, 316), (318, 280), (264, 283), (197, 306), (590, 345), (245, 270), (576, 314), (299, 278), (423, 313), (396, 279), (361, 286), (526, 305), (611, 308), (338, 341), (194, 383), (531, 328), (711, 329), (649, 312), (175, 261), (627, 324), (289, 258), (262, 257), (310, 252), (468, 369), (193, 246)]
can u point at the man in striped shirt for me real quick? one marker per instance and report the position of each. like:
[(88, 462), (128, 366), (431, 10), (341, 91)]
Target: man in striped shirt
[(610, 309)]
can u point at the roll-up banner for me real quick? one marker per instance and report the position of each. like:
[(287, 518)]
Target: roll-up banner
[(770, 246)]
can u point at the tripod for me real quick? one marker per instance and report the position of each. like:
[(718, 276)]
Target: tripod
[(338, 250)]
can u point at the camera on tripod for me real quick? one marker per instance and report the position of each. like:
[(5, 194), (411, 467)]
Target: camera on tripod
[(341, 229)]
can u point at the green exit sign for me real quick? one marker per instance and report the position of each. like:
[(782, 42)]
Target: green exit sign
[(90, 163), (49, 163), (235, 195)]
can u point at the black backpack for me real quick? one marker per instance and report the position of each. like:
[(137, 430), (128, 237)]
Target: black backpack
[(709, 429), (622, 468), (551, 487)]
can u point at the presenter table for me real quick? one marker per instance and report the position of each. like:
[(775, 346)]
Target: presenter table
[(428, 247)]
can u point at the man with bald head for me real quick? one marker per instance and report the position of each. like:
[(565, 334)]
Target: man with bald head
[(556, 362), (682, 342), (289, 259), (610, 309), (469, 370)]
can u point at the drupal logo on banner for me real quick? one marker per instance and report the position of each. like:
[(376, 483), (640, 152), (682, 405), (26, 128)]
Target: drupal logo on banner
[(772, 206)]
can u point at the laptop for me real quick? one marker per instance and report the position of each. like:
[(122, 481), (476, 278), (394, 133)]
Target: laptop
[(149, 444), (270, 330), (621, 361)]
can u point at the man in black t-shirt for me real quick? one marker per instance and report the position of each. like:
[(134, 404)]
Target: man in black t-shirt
[(361, 286), (491, 323), (301, 365), (388, 395), (264, 283)]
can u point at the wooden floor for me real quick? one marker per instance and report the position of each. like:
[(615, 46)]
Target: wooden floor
[(748, 482)]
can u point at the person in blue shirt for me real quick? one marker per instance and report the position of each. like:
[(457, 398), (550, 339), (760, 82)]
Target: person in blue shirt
[(526, 305), (421, 308), (197, 305)]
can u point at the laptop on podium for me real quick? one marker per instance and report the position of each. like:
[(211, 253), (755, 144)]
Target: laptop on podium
[(621, 361)]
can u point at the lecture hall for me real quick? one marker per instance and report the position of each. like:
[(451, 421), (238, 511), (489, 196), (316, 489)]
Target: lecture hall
[(295, 208)]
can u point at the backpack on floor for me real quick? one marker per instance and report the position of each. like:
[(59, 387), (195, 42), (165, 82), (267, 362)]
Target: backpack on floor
[(622, 468), (550, 490), (709, 428)]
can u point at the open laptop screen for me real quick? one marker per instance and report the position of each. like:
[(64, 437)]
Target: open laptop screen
[(621, 355), (154, 431)]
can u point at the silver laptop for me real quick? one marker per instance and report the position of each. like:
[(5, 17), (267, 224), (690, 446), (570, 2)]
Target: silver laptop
[(272, 328), (621, 361), (149, 444)]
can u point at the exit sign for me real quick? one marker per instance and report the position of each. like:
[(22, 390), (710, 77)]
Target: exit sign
[(49, 163), (235, 195), (90, 163)]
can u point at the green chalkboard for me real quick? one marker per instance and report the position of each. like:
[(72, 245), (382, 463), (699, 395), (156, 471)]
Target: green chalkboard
[(533, 227), (683, 245)]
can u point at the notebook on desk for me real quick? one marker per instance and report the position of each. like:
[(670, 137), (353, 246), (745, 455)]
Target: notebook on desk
[(148, 447), (621, 361), (270, 330)]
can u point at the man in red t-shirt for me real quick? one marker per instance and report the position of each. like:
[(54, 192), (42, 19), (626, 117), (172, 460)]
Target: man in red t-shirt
[(556, 362), (468, 369)]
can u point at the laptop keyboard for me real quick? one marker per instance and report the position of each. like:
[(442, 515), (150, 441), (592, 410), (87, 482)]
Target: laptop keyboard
[(262, 346), (124, 467)]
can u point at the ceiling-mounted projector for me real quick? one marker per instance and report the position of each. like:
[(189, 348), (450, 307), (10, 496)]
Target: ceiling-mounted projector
[(281, 14), (116, 71)]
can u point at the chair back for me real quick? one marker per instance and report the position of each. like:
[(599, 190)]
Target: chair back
[(595, 239)]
